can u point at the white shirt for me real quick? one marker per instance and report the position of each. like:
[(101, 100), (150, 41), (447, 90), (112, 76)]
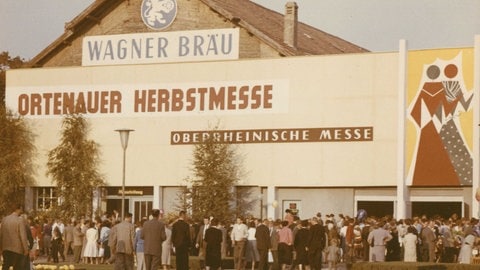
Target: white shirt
[(251, 234), (239, 232), (60, 226), (343, 231)]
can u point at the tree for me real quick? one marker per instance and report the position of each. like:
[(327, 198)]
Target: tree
[(6, 63), (16, 160), (73, 166), (211, 191)]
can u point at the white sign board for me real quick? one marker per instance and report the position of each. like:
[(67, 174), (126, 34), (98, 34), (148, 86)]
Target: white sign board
[(162, 47)]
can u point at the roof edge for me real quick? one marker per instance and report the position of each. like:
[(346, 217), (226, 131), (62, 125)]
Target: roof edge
[(87, 16)]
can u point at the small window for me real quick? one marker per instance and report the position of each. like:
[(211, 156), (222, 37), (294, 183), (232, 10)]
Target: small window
[(46, 198)]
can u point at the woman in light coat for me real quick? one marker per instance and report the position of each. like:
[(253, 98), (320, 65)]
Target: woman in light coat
[(410, 245), (91, 248), (167, 246), (465, 254)]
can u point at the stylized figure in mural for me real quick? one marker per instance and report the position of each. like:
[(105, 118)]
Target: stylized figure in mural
[(450, 133), (432, 165), (442, 157)]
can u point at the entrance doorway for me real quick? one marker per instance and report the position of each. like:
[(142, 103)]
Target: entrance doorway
[(434, 209), (376, 208), (116, 204), (141, 209)]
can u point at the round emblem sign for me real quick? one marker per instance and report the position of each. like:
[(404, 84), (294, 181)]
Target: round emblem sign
[(158, 14)]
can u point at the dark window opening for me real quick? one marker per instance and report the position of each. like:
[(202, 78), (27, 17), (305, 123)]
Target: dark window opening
[(376, 208), (436, 209)]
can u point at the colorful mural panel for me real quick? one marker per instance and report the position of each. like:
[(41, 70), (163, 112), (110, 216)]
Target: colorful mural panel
[(440, 117)]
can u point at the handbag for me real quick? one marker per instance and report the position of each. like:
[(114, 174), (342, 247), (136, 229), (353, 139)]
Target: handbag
[(270, 256)]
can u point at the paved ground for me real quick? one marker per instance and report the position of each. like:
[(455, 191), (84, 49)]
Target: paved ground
[(69, 260)]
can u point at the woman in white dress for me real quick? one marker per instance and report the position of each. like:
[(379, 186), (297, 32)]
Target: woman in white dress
[(167, 247), (410, 245), (91, 247)]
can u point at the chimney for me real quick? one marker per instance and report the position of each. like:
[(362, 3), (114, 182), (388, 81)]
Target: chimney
[(290, 24)]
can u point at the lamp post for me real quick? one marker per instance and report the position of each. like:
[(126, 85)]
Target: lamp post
[(124, 133)]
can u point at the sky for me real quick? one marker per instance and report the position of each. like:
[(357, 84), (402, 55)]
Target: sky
[(29, 26)]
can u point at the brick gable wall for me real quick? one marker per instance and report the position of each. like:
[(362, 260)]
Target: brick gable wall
[(192, 15)]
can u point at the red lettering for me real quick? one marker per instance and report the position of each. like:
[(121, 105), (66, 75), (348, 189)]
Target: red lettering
[(256, 97), (36, 104), (104, 102), (243, 97), (231, 97), (190, 99), (115, 102), (177, 100), (151, 100), (164, 97), (267, 96), (23, 104)]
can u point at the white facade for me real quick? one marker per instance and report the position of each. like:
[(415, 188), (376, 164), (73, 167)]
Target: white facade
[(351, 100)]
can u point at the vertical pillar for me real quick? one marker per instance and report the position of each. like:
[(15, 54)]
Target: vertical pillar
[(157, 197), (476, 127), (272, 203), (29, 202), (402, 189), (96, 198)]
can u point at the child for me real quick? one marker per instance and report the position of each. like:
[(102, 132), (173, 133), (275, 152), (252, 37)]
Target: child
[(333, 254), (358, 242)]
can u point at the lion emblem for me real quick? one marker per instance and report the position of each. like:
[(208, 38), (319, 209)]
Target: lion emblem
[(157, 14)]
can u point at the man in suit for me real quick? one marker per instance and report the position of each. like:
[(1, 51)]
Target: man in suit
[(68, 237), (213, 246), (122, 239), (274, 238), (316, 244), (77, 242), (262, 234), (378, 238), (153, 234), (428, 241), (13, 240), (181, 241)]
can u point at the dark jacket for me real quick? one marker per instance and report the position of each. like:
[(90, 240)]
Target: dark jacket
[(181, 234), (262, 234), (317, 237), (153, 234)]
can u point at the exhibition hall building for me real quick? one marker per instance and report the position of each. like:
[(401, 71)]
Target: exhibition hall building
[(322, 124)]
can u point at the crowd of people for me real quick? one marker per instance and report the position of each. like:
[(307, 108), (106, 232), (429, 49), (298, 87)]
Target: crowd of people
[(287, 243), (295, 243)]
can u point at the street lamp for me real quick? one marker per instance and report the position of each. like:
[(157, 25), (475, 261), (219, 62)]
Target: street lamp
[(124, 133)]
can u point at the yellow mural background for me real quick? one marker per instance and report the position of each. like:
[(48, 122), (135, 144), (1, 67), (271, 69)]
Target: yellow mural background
[(415, 64)]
